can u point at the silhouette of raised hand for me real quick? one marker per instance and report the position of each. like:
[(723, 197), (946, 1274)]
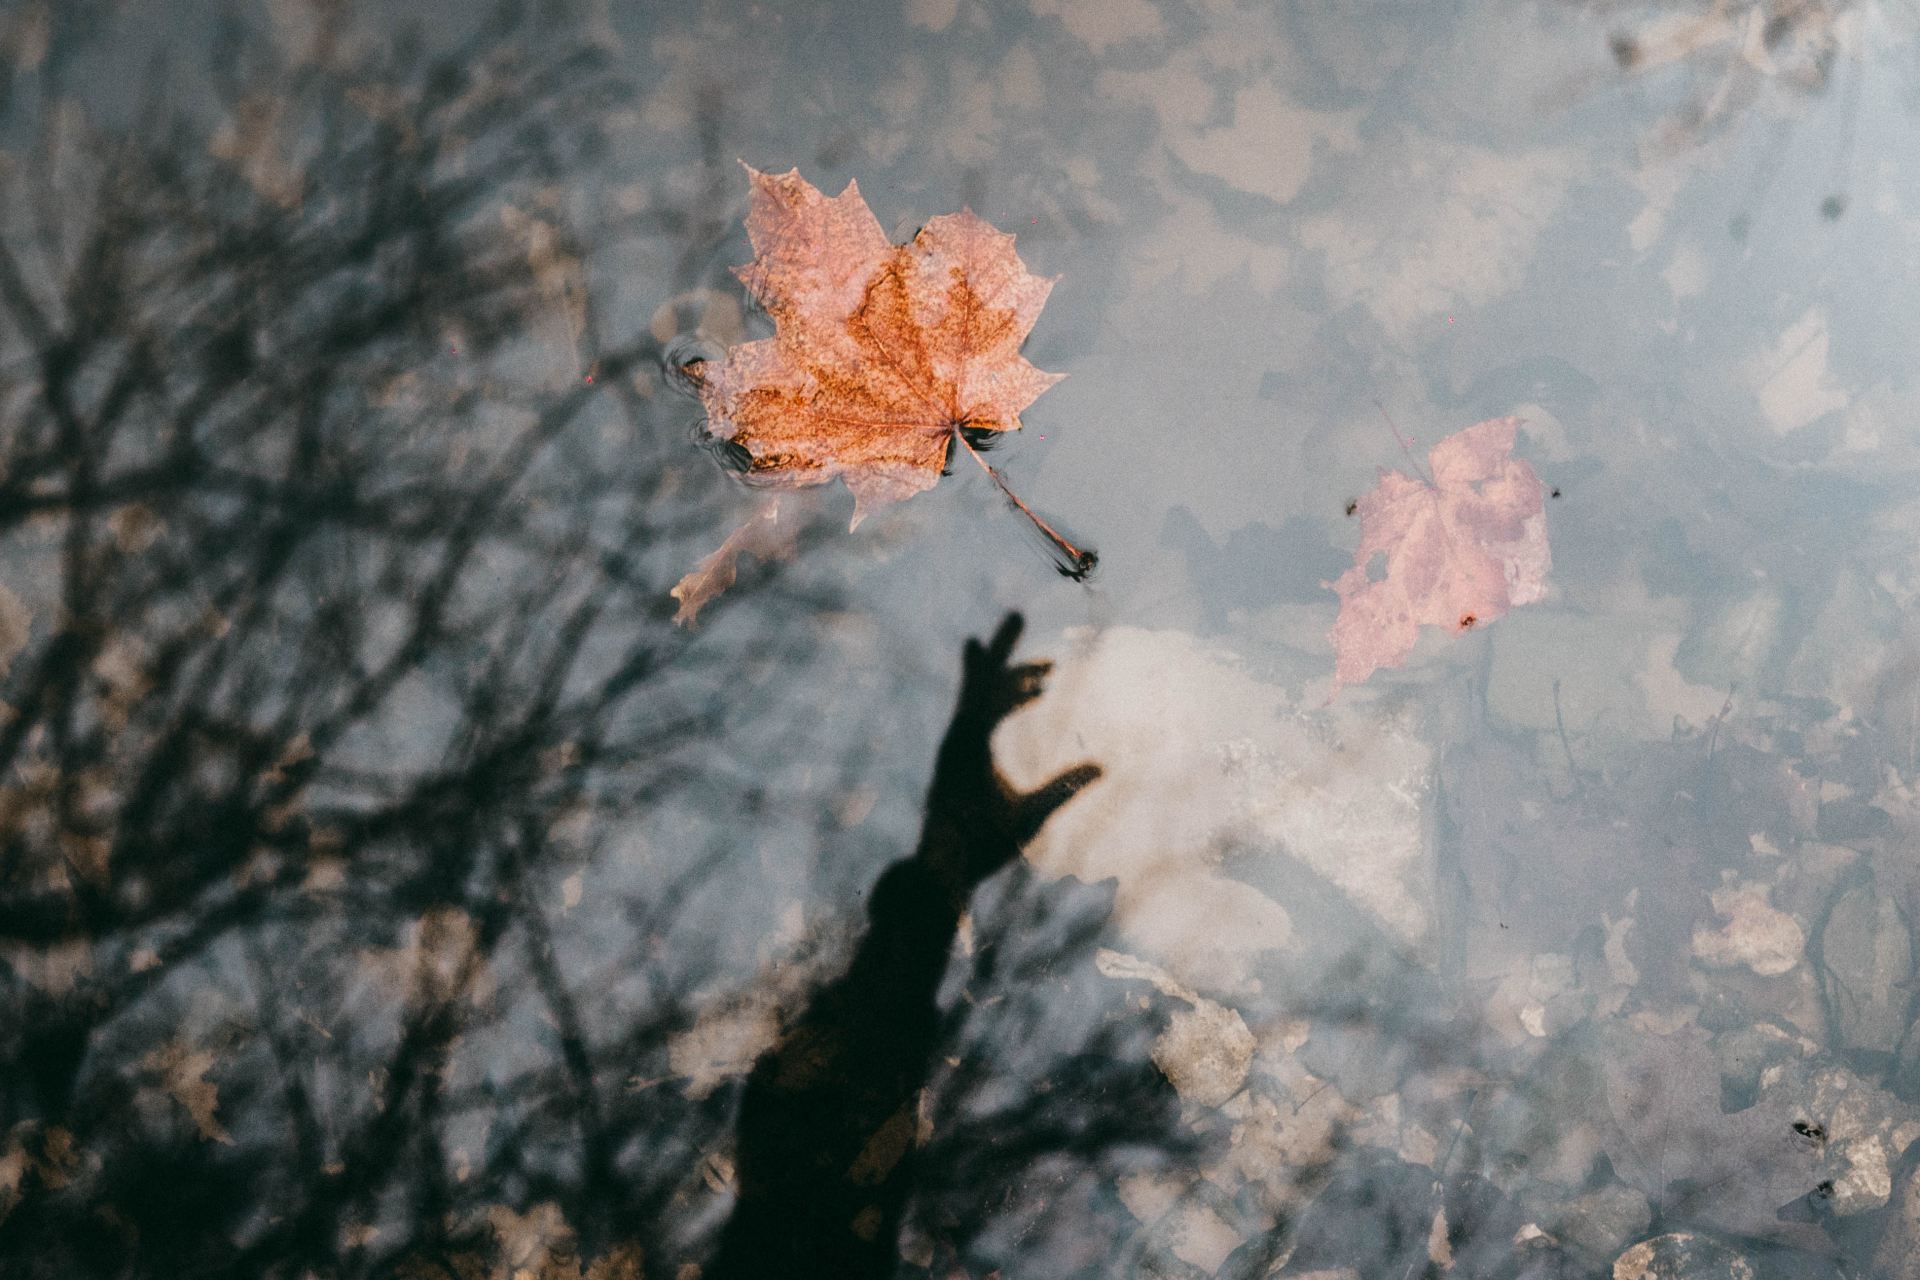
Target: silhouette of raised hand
[(976, 822), (824, 1161)]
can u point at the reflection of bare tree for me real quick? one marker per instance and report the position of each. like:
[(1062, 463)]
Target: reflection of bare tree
[(344, 532)]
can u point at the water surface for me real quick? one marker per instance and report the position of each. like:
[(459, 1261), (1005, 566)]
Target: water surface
[(391, 888)]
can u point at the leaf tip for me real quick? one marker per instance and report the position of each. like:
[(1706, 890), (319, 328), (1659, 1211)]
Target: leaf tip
[(688, 614)]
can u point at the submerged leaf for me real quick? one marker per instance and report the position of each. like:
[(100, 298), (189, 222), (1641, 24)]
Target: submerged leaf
[(764, 536), (182, 1071), (1460, 550)]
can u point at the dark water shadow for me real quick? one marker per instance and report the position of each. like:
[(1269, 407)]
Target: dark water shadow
[(829, 1116)]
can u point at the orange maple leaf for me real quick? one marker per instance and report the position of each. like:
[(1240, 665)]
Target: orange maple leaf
[(1460, 551), (883, 355)]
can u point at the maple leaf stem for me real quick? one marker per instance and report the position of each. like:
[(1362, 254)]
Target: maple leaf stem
[(1082, 561)]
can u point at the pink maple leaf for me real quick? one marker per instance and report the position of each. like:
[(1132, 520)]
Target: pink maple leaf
[(1459, 552)]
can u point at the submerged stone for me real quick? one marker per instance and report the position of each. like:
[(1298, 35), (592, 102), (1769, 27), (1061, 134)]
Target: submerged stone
[(1601, 1222), (1866, 951), (1682, 1255), (1223, 797)]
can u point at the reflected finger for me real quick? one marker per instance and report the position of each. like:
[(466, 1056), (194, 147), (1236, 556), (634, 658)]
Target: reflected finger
[(1007, 636), (1033, 809)]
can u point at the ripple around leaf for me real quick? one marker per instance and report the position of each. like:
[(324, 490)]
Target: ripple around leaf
[(683, 359)]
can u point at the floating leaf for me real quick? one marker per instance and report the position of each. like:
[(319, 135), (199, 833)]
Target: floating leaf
[(882, 352), (883, 357)]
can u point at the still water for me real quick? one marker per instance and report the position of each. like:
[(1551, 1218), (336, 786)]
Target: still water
[(389, 887)]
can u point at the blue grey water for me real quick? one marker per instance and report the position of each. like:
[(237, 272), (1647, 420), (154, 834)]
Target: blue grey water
[(389, 887)]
